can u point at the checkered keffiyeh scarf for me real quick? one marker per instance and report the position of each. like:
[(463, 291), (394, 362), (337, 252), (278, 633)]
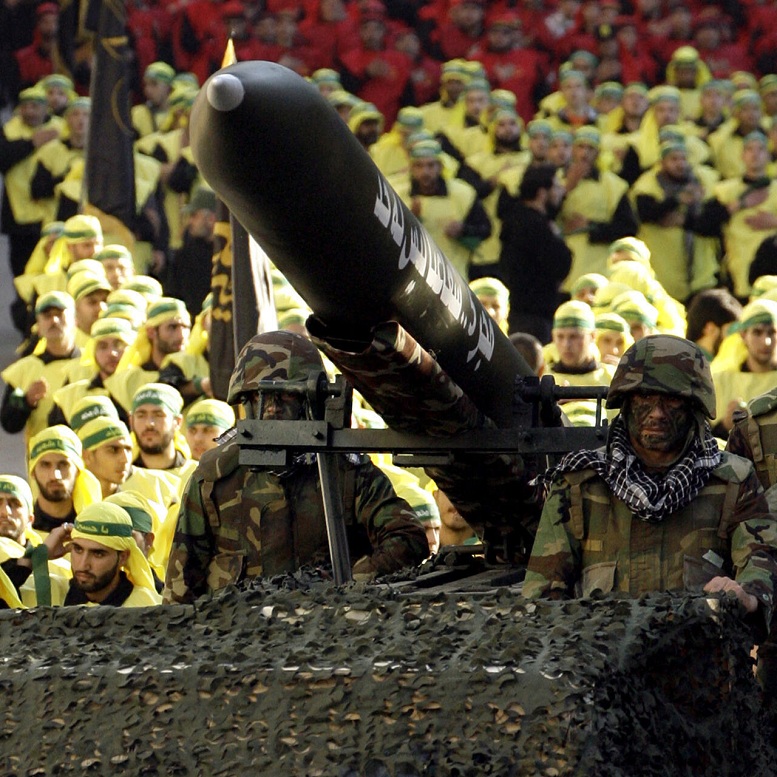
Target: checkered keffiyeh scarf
[(650, 497)]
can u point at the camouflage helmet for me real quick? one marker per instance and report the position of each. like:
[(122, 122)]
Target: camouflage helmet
[(279, 356), (664, 364)]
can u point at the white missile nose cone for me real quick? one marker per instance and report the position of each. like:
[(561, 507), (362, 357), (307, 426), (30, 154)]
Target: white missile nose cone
[(225, 92)]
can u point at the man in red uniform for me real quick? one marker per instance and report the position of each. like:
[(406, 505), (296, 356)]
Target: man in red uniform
[(374, 71), (39, 58)]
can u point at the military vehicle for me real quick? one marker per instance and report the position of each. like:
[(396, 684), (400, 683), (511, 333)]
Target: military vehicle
[(300, 675)]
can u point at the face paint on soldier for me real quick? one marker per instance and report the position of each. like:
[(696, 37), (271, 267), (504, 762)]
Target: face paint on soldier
[(14, 517), (280, 406), (95, 568), (658, 424)]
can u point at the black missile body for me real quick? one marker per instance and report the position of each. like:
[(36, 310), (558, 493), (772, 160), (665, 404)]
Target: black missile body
[(292, 173)]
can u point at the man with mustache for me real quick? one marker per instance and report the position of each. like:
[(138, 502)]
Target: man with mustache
[(660, 507), (108, 568), (751, 368), (156, 420), (61, 484)]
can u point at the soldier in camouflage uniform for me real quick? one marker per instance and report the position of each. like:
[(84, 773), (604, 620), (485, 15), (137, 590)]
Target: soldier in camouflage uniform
[(660, 507), (237, 523), (754, 436)]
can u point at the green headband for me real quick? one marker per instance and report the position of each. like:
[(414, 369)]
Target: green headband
[(158, 394), (104, 529), (100, 430), (141, 520), (54, 445), (11, 484), (207, 418)]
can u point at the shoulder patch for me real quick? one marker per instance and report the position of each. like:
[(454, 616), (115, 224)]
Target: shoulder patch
[(763, 404), (218, 462), (733, 468)]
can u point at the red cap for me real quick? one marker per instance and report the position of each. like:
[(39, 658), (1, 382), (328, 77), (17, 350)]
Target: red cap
[(372, 11), (505, 19), (45, 8), (284, 6), (232, 9)]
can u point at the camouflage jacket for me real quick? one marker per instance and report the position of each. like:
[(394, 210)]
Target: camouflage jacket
[(237, 523), (754, 436), (589, 540)]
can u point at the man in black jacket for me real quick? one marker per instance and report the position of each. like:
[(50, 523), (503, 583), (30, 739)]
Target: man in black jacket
[(534, 260)]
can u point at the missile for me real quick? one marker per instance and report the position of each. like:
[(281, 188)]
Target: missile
[(297, 179)]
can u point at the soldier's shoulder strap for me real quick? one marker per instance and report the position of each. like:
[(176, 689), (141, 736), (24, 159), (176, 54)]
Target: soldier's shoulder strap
[(760, 427), (576, 516), (733, 470), (215, 465)]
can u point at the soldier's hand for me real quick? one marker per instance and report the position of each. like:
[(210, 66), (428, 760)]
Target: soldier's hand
[(364, 570), (37, 391), (723, 584), (731, 408)]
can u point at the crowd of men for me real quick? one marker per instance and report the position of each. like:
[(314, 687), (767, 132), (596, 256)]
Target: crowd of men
[(601, 174)]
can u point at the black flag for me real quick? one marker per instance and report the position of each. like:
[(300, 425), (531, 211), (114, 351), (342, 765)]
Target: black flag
[(110, 174)]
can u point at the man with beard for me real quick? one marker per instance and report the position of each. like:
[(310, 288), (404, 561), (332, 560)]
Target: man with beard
[(107, 447), (110, 337), (167, 329), (660, 507), (750, 371), (448, 208), (668, 198), (709, 317), (61, 485), (108, 567), (596, 209), (32, 380), (366, 123), (155, 420), (530, 240)]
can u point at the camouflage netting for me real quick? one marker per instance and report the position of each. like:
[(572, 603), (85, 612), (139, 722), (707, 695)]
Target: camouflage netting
[(306, 679)]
